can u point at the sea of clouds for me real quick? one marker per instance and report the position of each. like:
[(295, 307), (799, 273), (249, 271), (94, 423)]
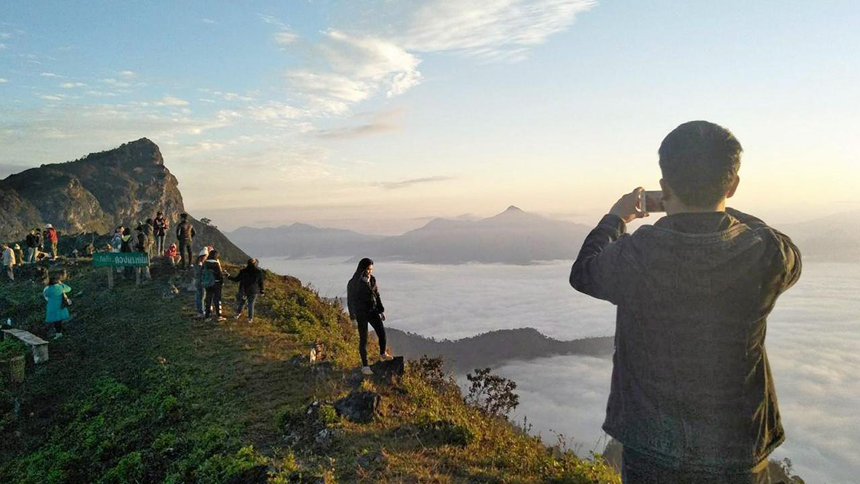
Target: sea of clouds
[(813, 340)]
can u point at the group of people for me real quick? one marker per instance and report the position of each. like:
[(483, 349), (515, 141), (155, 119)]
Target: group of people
[(209, 278), (150, 238), (40, 244)]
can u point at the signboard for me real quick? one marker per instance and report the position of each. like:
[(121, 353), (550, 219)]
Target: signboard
[(120, 259)]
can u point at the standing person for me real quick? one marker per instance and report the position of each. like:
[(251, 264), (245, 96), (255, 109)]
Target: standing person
[(149, 232), (160, 227), (51, 240), (126, 245), (198, 277), (8, 262), (365, 307), (32, 246), (185, 233), (213, 283), (250, 286), (56, 313), (116, 240), (144, 244), (19, 255), (116, 243), (692, 396)]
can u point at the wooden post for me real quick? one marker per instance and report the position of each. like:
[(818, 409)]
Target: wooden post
[(137, 276), (110, 277)]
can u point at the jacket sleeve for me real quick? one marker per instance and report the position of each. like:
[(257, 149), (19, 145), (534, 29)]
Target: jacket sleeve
[(350, 300), (193, 232), (598, 268), (261, 280), (379, 307), (178, 228), (788, 255)]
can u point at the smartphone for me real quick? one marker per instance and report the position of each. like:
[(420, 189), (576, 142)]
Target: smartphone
[(651, 201)]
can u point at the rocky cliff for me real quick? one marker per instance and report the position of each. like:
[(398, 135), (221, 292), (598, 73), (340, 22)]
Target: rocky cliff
[(96, 193)]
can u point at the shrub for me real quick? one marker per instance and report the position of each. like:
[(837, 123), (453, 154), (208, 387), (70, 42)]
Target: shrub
[(492, 393), (11, 348), (445, 431)]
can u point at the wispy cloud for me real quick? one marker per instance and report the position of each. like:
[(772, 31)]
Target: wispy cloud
[(208, 21), (358, 68), (72, 85), (3, 81), (48, 74), (286, 37), (488, 29), (3, 46), (412, 182), (127, 74), (383, 122), (172, 101), (51, 97)]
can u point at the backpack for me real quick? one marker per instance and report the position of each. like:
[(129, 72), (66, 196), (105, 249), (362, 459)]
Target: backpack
[(208, 278)]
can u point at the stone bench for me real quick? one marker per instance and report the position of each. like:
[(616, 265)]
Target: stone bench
[(37, 344)]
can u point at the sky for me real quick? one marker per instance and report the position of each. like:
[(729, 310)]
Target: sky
[(377, 115)]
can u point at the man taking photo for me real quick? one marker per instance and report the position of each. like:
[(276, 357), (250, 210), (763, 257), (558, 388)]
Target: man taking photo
[(692, 397)]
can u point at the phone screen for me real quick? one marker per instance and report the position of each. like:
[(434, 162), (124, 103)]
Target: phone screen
[(651, 201)]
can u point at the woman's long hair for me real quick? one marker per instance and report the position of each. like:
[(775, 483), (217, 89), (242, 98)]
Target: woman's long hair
[(362, 268)]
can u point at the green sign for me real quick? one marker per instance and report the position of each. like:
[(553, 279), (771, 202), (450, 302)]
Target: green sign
[(120, 259)]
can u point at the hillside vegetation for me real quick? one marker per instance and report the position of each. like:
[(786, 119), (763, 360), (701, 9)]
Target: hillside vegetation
[(139, 390)]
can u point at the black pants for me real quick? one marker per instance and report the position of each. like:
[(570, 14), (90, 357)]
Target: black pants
[(185, 253), (376, 322), (58, 326), (640, 469), (213, 298)]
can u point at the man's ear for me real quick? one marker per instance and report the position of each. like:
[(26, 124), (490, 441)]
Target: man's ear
[(667, 190), (734, 186)]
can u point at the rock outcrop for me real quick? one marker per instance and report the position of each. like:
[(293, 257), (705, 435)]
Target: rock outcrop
[(96, 193)]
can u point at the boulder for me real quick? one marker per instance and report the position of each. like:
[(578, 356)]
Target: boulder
[(358, 406), (387, 371)]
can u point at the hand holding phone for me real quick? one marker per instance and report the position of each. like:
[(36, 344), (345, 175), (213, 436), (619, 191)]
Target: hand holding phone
[(627, 207), (651, 201)]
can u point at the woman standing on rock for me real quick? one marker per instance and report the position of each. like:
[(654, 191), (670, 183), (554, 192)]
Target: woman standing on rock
[(56, 313), (365, 307)]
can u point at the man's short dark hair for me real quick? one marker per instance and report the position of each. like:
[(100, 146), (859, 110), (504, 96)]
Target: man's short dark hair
[(183, 216), (699, 161)]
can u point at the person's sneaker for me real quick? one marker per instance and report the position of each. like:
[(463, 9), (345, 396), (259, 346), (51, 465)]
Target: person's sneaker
[(58, 335), (251, 320), (366, 371), (236, 317), (221, 318), (386, 357), (201, 315)]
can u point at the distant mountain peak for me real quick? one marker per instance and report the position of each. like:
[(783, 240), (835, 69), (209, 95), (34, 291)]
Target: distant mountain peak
[(513, 209)]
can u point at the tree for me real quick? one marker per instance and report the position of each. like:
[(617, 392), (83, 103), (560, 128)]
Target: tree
[(205, 221)]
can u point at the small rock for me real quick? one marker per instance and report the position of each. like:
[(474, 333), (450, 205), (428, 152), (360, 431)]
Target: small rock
[(373, 461), (358, 406)]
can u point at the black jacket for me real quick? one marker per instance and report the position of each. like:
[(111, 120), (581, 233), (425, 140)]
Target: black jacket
[(691, 383), (185, 231), (250, 280), (32, 241), (362, 297)]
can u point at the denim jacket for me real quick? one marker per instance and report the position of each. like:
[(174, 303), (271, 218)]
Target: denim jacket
[(691, 383)]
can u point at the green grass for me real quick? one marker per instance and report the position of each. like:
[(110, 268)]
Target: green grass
[(140, 391)]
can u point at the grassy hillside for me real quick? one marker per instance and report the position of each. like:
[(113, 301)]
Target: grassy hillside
[(140, 391)]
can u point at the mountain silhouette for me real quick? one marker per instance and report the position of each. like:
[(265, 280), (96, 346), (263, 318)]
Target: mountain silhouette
[(511, 237)]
